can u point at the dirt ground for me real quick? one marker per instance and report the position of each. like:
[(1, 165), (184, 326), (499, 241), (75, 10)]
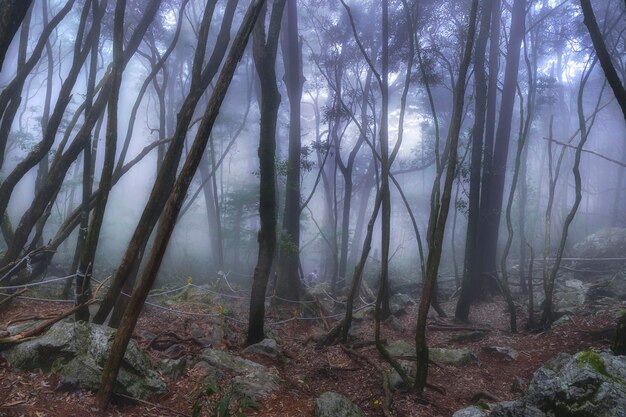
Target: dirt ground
[(308, 372)]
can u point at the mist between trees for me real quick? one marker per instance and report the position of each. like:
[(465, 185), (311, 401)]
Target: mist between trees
[(354, 145)]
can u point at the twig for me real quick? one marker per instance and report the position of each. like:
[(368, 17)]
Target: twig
[(12, 296), (128, 397)]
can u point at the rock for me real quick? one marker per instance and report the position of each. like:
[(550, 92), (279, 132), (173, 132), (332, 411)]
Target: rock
[(471, 411), (613, 287), (255, 385), (78, 352), (452, 357), (588, 384), (397, 309), (395, 380), (561, 321), (403, 300), (606, 243), (227, 362), (569, 300), (252, 381), (400, 348), (504, 352), (173, 368), (332, 404), (266, 347), (363, 313), (514, 409)]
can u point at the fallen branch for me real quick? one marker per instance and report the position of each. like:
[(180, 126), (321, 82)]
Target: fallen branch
[(171, 410), (457, 328), (21, 337), (12, 296)]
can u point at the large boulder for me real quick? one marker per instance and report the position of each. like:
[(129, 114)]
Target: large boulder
[(252, 380), (78, 353), (332, 404), (605, 243), (588, 384)]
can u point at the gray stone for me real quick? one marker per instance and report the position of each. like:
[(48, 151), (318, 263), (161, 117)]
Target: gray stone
[(471, 411), (515, 409), (255, 385), (502, 351), (452, 357), (266, 347), (400, 348), (402, 300), (588, 384), (606, 243), (332, 404), (252, 381), (78, 352), (227, 362), (173, 368), (363, 313)]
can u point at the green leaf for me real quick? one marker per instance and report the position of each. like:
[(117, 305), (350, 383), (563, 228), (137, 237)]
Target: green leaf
[(222, 407)]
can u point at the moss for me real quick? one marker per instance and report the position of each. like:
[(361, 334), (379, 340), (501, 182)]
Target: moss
[(595, 361)]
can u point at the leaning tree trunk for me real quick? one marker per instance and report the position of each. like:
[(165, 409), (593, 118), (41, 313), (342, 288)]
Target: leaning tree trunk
[(173, 206), (439, 213)]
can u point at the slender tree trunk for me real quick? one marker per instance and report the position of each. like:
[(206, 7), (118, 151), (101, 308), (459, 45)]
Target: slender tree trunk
[(173, 206), (265, 51), (439, 215)]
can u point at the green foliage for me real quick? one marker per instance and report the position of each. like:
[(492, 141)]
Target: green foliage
[(286, 243)]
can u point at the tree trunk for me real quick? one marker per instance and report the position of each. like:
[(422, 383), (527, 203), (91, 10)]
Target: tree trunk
[(493, 189), (264, 51), (439, 215), (288, 284)]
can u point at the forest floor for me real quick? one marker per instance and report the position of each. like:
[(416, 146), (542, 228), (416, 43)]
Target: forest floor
[(308, 372)]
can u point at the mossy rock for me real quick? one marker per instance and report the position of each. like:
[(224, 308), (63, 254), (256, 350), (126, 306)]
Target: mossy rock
[(78, 352), (332, 404)]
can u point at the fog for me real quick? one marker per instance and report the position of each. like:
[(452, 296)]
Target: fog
[(494, 132)]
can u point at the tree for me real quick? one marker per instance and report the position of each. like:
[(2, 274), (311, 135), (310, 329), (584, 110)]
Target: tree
[(12, 13), (174, 203), (264, 50), (603, 55), (288, 284)]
